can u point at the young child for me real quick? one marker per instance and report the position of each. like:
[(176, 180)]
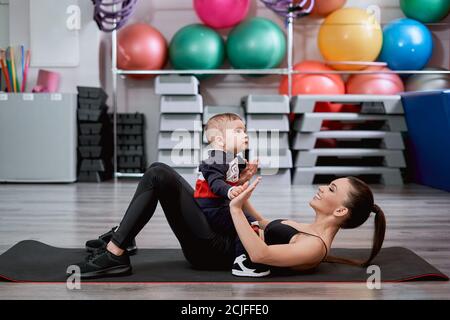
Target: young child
[(219, 181)]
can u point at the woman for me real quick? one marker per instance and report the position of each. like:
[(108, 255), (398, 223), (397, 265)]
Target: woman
[(345, 203)]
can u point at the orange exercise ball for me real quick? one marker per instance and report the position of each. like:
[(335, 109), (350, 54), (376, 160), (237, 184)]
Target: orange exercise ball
[(315, 84), (376, 83), (350, 34), (141, 47)]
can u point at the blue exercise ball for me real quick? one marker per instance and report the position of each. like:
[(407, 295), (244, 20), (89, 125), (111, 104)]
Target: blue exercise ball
[(407, 45)]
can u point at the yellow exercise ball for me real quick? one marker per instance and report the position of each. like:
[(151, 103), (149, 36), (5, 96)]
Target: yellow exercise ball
[(350, 34)]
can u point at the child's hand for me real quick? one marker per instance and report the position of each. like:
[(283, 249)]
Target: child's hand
[(248, 172), (235, 191)]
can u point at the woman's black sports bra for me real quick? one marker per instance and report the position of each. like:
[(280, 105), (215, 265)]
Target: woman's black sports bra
[(277, 232)]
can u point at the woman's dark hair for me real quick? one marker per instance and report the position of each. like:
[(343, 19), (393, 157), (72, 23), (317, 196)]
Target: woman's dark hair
[(360, 204)]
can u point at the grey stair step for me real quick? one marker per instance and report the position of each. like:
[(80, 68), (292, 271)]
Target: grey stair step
[(384, 104), (187, 122), (176, 85), (210, 111), (181, 104), (268, 140), (307, 140), (266, 104), (179, 140), (180, 158), (389, 176), (392, 158), (271, 159), (264, 122), (275, 177), (312, 122)]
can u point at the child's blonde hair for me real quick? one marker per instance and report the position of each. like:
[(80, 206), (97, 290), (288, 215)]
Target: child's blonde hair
[(217, 124)]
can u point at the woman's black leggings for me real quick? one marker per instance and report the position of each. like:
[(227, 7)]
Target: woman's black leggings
[(202, 247)]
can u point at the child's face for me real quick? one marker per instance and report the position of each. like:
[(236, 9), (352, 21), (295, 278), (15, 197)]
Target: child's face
[(236, 139)]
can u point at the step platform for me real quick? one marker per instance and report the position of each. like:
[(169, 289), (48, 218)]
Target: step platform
[(179, 140), (210, 111), (130, 140), (181, 104), (93, 152), (271, 159), (93, 176), (176, 85), (92, 93), (379, 104), (312, 122), (88, 115), (391, 158), (275, 177), (180, 158), (264, 122), (305, 176), (131, 162), (128, 118), (132, 150), (187, 122), (97, 165), (268, 140), (266, 104), (130, 129), (308, 140)]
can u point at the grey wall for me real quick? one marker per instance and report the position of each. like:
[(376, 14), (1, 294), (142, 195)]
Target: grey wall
[(169, 16)]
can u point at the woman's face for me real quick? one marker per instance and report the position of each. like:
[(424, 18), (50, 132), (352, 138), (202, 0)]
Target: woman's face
[(332, 197)]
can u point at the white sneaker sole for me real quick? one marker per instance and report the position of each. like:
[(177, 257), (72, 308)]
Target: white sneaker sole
[(253, 275)]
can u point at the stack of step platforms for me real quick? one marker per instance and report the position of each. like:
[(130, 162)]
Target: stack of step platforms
[(368, 143), (95, 139), (268, 130), (130, 143), (181, 107)]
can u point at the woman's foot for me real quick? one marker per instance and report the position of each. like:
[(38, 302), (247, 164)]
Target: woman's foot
[(102, 241), (103, 263)]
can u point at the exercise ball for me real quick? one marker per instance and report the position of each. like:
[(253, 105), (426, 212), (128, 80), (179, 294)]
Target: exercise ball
[(323, 8), (196, 46), (350, 34), (257, 43), (425, 11), (220, 14), (407, 45), (315, 84), (141, 47), (376, 83), (423, 82)]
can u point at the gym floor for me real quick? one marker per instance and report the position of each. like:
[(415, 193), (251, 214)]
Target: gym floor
[(66, 215)]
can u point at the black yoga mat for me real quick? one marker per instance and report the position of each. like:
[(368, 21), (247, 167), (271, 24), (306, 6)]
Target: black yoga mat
[(33, 261)]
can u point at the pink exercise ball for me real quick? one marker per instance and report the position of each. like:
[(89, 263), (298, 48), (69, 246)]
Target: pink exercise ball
[(141, 47), (377, 83), (219, 14)]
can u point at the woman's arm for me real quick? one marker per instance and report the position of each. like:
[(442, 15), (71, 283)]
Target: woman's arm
[(286, 255), (248, 208)]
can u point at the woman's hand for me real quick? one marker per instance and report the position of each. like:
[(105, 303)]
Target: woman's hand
[(248, 172), (246, 193)]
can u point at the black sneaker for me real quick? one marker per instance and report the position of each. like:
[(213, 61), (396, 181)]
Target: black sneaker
[(244, 267), (102, 241), (103, 263)]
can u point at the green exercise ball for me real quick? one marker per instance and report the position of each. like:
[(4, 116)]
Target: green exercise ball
[(257, 43), (196, 47), (425, 11)]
